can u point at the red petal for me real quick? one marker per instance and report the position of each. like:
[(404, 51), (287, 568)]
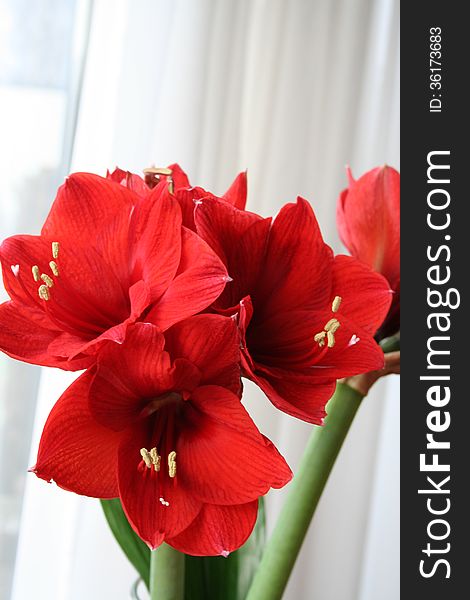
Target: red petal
[(217, 530), (93, 211), (239, 238), (75, 451), (298, 394), (180, 179), (186, 199), (286, 339), (236, 194), (222, 457), (201, 278), (211, 342), (221, 225), (141, 488), (368, 218), (129, 375), (297, 270), (133, 182), (366, 296), (25, 334), (156, 232)]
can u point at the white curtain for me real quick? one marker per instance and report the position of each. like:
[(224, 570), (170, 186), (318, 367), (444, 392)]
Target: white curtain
[(293, 91)]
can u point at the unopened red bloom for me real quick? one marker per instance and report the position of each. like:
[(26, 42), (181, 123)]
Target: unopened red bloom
[(307, 318), (173, 181), (368, 218), (159, 423), (105, 257)]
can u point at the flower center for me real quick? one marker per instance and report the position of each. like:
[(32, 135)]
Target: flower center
[(64, 309), (328, 333)]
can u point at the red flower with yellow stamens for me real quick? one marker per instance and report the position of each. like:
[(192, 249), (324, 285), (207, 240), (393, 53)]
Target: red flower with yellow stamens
[(368, 218), (159, 423), (105, 256), (307, 318)]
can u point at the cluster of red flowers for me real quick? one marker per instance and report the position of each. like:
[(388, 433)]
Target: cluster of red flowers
[(167, 295)]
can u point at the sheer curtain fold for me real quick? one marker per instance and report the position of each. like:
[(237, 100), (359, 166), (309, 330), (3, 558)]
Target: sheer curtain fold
[(291, 90)]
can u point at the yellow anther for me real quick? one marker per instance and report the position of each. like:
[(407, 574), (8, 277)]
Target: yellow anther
[(55, 249), (35, 271), (332, 325), (171, 185), (336, 303), (54, 268), (158, 171), (151, 458), (43, 292), (156, 459), (329, 332), (172, 464), (47, 280), (331, 339), (145, 454)]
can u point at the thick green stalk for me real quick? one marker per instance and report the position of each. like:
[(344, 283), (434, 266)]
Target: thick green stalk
[(166, 574), (305, 490)]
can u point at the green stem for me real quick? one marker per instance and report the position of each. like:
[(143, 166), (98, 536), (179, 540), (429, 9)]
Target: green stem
[(166, 574), (305, 490), (391, 344)]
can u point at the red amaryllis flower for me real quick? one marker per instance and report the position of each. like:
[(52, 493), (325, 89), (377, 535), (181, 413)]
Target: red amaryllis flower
[(103, 259), (307, 317), (368, 219), (158, 422), (173, 181)]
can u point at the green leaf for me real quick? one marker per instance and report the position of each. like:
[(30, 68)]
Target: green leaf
[(218, 578), (134, 548)]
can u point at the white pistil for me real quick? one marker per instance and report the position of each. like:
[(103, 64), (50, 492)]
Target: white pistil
[(172, 464), (35, 272), (336, 303), (354, 340), (43, 292), (55, 249), (47, 280), (54, 268)]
